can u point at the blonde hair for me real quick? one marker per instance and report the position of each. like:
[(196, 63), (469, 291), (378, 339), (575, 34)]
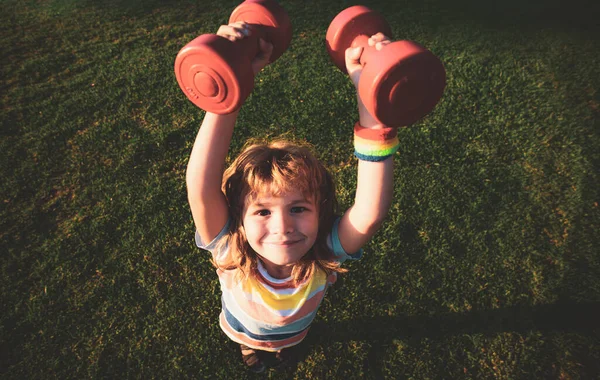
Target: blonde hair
[(277, 168)]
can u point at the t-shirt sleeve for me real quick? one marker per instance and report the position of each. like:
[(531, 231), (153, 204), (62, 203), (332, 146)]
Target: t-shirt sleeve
[(213, 244), (333, 241)]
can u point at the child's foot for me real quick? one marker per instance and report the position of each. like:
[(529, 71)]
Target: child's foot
[(251, 359)]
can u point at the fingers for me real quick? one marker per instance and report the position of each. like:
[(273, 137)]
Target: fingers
[(235, 31), (353, 65), (379, 37), (353, 55), (379, 40)]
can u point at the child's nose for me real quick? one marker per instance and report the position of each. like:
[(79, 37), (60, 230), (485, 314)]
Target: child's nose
[(283, 224)]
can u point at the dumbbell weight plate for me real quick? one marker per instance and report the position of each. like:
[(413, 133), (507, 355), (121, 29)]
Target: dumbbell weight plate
[(212, 76), (271, 18), (403, 83)]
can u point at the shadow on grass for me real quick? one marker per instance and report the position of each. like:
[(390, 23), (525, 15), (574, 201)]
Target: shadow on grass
[(562, 316), (383, 331)]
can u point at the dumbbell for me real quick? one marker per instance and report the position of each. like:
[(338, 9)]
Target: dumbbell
[(216, 73), (402, 82)]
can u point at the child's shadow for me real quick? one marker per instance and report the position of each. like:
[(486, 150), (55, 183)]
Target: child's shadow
[(561, 316), (382, 331)]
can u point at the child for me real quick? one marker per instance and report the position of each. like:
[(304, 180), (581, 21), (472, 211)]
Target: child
[(269, 222)]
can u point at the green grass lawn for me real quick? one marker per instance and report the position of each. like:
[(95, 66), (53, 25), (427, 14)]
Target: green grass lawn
[(487, 267)]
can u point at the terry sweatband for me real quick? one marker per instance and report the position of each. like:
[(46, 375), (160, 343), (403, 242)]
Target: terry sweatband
[(375, 144)]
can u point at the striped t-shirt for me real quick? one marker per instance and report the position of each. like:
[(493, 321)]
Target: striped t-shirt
[(266, 313)]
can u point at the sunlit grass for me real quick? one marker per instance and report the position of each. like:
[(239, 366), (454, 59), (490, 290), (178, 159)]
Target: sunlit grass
[(487, 266)]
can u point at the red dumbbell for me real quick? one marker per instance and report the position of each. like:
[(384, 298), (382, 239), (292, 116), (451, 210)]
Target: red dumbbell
[(400, 83), (215, 73)]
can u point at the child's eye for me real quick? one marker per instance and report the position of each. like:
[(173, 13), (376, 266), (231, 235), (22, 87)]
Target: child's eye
[(298, 209), (263, 212)]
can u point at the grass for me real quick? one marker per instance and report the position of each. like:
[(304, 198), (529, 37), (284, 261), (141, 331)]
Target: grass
[(487, 266)]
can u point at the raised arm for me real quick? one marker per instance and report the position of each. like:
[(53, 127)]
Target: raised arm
[(205, 172), (374, 189), (207, 161)]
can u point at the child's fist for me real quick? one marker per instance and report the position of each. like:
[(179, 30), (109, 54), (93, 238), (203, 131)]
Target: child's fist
[(240, 30), (353, 55)]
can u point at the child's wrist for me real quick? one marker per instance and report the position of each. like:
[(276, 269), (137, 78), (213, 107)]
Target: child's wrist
[(364, 116), (375, 144), (225, 117)]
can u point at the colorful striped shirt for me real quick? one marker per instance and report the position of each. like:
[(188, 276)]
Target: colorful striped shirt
[(267, 313)]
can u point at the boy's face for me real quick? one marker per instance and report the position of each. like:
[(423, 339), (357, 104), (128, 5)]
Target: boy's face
[(281, 229)]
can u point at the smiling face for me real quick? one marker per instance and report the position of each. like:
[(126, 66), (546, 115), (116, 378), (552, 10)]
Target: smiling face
[(280, 229), (274, 188)]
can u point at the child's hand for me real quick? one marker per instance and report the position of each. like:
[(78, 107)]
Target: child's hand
[(353, 55), (354, 69), (239, 30)]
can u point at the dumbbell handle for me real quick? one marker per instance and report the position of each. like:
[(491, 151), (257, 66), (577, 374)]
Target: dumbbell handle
[(408, 48), (249, 46)]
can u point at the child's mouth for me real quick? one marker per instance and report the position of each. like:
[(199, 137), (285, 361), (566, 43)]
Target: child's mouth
[(286, 243)]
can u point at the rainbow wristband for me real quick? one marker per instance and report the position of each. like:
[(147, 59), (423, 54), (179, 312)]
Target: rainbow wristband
[(375, 144)]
